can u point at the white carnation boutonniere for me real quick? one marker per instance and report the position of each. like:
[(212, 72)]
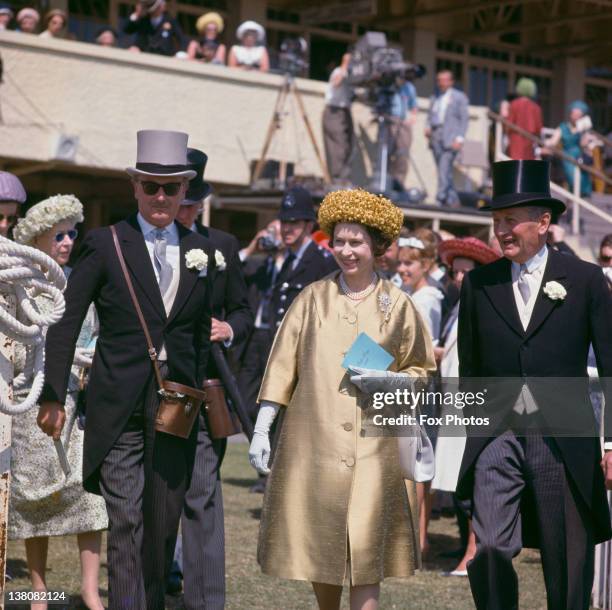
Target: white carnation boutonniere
[(555, 291), (220, 260), (197, 259)]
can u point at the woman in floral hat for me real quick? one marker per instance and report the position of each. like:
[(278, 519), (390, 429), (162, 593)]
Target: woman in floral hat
[(44, 501), (336, 503)]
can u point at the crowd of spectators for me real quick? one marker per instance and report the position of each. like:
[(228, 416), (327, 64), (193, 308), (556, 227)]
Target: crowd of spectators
[(151, 29)]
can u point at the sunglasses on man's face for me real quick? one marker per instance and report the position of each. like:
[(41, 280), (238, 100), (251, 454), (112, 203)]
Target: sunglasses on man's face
[(10, 218), (170, 188), (72, 235)]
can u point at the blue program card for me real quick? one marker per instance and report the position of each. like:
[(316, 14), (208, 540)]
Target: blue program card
[(366, 353)]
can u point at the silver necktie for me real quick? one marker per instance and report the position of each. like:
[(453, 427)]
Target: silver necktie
[(164, 269), (523, 285)]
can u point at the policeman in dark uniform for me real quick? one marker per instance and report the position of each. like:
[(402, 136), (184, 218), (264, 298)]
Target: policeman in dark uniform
[(232, 321), (155, 30), (304, 262)]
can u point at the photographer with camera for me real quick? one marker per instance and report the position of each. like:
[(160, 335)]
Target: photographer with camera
[(293, 262), (403, 115), (338, 123)]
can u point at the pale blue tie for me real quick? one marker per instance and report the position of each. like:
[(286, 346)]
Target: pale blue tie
[(164, 269), (523, 284)]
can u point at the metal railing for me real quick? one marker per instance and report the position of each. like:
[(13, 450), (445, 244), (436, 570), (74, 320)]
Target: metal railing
[(578, 203)]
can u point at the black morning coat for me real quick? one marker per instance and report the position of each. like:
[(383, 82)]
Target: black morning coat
[(121, 367), (166, 38), (316, 262), (229, 298), (492, 343)]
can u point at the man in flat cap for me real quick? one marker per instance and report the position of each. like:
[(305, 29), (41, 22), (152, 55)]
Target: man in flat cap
[(141, 473), (531, 315), (304, 262), (203, 540)]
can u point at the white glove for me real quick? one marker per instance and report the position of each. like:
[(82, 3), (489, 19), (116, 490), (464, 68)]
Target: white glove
[(372, 380), (259, 451)]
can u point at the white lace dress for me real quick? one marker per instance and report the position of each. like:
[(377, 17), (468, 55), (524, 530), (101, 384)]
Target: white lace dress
[(42, 501)]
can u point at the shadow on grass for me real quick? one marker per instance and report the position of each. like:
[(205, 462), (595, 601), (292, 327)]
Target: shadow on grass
[(17, 568), (239, 482), (439, 546)]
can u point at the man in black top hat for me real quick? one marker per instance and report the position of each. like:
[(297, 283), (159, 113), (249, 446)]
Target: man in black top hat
[(533, 314), (275, 287), (232, 321), (155, 30)]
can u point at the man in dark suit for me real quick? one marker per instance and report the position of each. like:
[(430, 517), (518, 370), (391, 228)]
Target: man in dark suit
[(202, 520), (154, 29), (533, 314), (142, 474), (276, 282)]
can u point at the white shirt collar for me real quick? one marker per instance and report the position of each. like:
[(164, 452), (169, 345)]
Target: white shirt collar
[(146, 227), (536, 262), (302, 249)]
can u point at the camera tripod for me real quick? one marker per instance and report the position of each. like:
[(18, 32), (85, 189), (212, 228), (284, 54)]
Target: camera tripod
[(288, 88)]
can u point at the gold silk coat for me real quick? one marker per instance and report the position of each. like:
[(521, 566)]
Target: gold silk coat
[(336, 504)]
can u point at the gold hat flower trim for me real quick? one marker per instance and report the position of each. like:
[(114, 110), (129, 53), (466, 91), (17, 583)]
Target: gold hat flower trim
[(363, 208)]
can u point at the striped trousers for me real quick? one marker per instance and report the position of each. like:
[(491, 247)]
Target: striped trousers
[(143, 480)]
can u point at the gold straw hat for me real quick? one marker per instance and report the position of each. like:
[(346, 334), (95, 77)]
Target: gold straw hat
[(363, 208), (207, 18)]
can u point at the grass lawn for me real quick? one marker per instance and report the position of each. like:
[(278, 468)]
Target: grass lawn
[(248, 589)]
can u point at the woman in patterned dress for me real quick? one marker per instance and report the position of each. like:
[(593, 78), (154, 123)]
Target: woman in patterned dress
[(43, 501)]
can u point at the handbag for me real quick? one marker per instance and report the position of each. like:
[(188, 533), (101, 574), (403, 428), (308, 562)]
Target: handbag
[(416, 456), (221, 421), (179, 404)]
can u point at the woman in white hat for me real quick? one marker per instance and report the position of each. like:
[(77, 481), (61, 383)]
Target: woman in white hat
[(251, 53), (209, 27), (44, 501)]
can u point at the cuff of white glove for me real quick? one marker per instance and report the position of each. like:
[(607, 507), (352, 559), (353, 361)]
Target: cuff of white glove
[(265, 417)]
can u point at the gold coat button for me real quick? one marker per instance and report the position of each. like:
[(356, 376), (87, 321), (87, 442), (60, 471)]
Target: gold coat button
[(348, 426)]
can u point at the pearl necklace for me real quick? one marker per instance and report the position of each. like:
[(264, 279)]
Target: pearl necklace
[(362, 294)]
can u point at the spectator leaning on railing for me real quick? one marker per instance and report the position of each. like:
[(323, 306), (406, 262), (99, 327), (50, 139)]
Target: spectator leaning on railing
[(208, 48), (28, 20), (56, 21), (250, 53), (6, 15), (156, 31), (106, 37)]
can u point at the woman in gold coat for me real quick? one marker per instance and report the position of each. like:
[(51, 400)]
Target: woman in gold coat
[(336, 504)]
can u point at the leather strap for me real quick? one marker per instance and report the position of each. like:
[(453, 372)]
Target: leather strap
[(145, 328)]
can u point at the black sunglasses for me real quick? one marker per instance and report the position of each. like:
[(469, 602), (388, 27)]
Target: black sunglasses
[(72, 235), (170, 188), (11, 219)]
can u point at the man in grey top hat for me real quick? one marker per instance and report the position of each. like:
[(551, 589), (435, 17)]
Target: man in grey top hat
[(142, 474), (12, 194)]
